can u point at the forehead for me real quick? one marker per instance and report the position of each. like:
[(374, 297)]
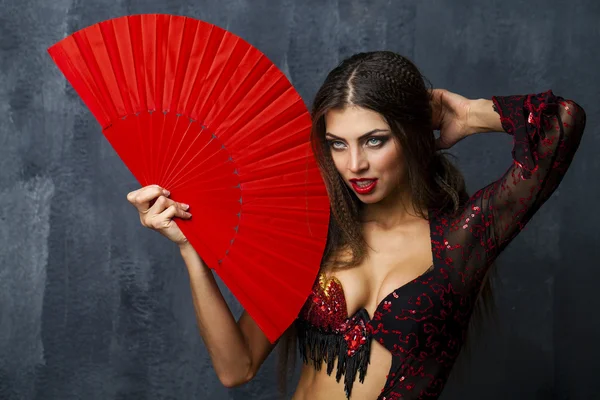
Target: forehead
[(353, 121)]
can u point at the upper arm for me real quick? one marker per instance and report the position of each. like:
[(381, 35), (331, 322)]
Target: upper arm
[(259, 347)]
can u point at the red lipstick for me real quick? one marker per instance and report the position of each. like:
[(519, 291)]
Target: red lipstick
[(363, 185)]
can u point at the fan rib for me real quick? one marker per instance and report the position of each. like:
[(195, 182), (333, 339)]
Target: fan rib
[(258, 314), (193, 75), (208, 59), (214, 75), (177, 179), (79, 78), (263, 274), (165, 168), (114, 57), (141, 141), (91, 64), (188, 37), (236, 88), (135, 31), (125, 54), (266, 250), (308, 240), (174, 169)]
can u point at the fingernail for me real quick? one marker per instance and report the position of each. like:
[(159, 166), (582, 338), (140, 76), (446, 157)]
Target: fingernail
[(166, 192), (185, 206)]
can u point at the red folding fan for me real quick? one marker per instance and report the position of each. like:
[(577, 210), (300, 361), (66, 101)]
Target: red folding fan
[(202, 113)]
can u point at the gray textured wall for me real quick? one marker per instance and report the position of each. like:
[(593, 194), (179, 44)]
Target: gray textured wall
[(93, 306)]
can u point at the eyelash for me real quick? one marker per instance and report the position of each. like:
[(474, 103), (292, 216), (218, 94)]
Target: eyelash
[(381, 142)]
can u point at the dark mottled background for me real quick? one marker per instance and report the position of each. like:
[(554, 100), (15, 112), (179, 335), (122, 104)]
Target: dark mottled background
[(93, 306)]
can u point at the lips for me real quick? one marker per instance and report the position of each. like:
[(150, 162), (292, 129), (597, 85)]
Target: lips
[(363, 185)]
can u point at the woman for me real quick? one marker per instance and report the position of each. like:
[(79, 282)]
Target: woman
[(408, 249)]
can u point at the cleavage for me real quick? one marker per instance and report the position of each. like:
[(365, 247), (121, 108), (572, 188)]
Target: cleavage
[(354, 294)]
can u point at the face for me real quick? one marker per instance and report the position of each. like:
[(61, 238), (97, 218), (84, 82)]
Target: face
[(365, 152)]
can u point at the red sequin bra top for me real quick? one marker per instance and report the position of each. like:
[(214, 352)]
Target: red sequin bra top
[(423, 323)]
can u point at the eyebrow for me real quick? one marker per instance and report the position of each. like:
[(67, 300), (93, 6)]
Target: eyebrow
[(362, 136)]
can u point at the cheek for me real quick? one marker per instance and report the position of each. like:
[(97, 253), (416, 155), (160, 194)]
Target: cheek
[(391, 162)]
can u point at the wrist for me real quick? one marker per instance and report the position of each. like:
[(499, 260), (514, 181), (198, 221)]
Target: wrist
[(185, 247), (482, 117), (191, 257)]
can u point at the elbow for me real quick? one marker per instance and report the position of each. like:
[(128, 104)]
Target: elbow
[(573, 116), (231, 380)]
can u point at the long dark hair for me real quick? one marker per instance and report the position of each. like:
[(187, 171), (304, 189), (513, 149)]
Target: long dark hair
[(391, 85)]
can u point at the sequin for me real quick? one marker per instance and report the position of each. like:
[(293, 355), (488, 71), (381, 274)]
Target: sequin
[(355, 336), (530, 118)]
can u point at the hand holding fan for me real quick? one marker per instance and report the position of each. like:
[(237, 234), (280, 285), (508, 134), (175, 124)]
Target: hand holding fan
[(202, 113)]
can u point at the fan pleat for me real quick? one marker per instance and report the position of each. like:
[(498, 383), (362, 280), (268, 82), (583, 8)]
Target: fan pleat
[(148, 33), (94, 75), (275, 138), (183, 61), (213, 150), (125, 147), (173, 43), (137, 40), (225, 75), (287, 191), (195, 73), (140, 141), (123, 51), (217, 72), (199, 111), (209, 57), (170, 125), (278, 164), (256, 103), (107, 39), (162, 37), (242, 79), (90, 63), (246, 296), (185, 142), (277, 297), (173, 142), (298, 242), (253, 250)]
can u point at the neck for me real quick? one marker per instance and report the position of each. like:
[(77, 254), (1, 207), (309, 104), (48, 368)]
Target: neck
[(392, 211)]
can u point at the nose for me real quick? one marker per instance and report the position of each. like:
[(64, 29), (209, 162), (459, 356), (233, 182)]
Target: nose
[(358, 160)]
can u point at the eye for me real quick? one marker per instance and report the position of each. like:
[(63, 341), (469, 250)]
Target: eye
[(336, 145), (375, 141)]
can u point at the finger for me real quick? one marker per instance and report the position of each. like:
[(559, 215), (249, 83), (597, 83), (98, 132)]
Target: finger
[(175, 210), (160, 205), (162, 220), (142, 198)]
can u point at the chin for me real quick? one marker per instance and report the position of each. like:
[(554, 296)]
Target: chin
[(370, 198)]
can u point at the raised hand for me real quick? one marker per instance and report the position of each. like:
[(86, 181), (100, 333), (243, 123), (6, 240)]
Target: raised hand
[(450, 115), (157, 211)]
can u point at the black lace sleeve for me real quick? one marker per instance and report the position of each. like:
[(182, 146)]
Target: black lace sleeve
[(547, 130)]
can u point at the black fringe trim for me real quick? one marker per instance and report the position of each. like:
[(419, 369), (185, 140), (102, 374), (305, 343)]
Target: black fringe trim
[(318, 346)]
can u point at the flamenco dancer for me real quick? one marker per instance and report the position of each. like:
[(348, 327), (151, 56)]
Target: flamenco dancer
[(408, 249)]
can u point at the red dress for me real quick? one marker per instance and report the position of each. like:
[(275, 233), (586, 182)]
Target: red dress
[(423, 323)]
